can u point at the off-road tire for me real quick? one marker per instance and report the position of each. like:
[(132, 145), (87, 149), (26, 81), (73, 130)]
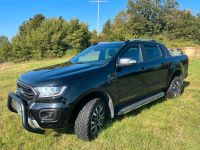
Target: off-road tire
[(83, 123), (175, 88)]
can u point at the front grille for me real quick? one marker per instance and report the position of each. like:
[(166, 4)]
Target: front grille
[(26, 92)]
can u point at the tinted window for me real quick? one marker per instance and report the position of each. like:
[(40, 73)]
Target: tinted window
[(152, 52), (133, 53), (97, 53), (110, 52), (165, 50)]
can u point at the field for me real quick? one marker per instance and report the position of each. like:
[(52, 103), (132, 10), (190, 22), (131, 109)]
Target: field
[(165, 124)]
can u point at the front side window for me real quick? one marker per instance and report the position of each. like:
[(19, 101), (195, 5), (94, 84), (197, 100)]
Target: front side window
[(98, 53), (151, 52), (134, 53)]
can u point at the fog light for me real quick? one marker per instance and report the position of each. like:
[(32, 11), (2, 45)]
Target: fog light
[(48, 115)]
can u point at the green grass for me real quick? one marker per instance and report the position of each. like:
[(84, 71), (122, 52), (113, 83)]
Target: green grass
[(165, 124)]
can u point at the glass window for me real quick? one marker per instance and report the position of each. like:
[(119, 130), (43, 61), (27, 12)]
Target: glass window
[(92, 56), (110, 52), (98, 53), (152, 52), (133, 53)]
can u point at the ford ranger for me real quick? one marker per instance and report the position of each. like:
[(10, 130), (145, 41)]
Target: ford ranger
[(103, 81)]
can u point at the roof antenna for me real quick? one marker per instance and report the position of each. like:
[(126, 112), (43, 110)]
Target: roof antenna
[(98, 12)]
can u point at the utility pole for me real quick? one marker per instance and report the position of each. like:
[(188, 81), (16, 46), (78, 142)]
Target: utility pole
[(98, 13)]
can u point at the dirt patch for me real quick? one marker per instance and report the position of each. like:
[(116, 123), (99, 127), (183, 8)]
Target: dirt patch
[(192, 52)]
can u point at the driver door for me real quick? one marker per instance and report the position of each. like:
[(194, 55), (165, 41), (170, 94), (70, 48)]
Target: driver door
[(131, 79)]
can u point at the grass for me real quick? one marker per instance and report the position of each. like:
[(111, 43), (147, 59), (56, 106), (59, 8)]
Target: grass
[(165, 124)]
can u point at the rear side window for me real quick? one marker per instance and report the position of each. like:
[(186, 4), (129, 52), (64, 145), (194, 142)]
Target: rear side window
[(151, 52)]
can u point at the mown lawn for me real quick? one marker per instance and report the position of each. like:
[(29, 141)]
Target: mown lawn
[(165, 124)]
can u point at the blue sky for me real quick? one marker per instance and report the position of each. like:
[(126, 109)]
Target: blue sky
[(14, 12)]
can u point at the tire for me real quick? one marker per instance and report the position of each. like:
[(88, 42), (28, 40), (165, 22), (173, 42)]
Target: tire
[(175, 88), (87, 125)]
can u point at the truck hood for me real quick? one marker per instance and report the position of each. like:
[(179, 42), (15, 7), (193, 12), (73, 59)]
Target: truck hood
[(56, 74)]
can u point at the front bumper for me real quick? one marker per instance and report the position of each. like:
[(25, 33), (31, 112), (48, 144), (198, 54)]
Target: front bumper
[(31, 114), (20, 107)]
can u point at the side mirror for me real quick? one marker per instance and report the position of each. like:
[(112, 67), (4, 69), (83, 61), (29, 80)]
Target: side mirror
[(124, 62)]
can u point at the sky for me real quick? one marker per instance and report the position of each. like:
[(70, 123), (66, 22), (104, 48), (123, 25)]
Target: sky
[(14, 12)]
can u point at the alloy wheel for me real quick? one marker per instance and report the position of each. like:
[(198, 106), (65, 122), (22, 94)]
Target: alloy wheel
[(97, 121), (177, 88)]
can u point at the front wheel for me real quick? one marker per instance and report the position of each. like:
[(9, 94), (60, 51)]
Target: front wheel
[(90, 120), (175, 88)]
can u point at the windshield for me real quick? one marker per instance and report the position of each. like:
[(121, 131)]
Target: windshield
[(98, 53)]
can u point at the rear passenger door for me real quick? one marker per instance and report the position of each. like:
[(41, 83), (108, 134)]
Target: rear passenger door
[(154, 62)]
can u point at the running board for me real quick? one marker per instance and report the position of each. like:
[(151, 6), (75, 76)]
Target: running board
[(140, 103)]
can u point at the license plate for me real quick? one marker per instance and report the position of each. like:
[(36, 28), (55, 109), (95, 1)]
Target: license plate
[(17, 106)]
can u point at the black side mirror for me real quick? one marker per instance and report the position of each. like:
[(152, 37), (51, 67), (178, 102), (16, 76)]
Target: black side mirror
[(124, 62)]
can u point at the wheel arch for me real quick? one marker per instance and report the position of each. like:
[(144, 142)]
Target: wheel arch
[(177, 72), (82, 100)]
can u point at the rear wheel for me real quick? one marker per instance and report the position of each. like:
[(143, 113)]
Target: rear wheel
[(175, 88), (90, 120)]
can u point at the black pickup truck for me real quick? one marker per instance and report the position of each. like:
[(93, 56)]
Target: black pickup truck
[(103, 81)]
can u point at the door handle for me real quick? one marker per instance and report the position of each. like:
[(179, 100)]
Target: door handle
[(112, 77)]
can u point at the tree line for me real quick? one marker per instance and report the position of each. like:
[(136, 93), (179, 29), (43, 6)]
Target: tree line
[(160, 19), (40, 37)]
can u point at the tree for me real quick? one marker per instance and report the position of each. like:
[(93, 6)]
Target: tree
[(22, 47), (170, 5), (78, 35), (94, 38), (183, 26), (40, 38), (154, 18), (5, 49), (107, 27), (119, 29), (145, 16), (31, 25)]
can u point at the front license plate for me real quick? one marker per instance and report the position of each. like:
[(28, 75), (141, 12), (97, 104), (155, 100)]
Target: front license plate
[(17, 106)]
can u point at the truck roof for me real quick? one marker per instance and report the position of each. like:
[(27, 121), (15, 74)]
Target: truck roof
[(130, 40), (142, 40), (120, 42)]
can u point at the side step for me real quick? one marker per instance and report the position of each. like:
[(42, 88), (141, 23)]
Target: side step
[(140, 103)]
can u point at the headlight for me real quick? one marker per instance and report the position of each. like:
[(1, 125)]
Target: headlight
[(50, 91)]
